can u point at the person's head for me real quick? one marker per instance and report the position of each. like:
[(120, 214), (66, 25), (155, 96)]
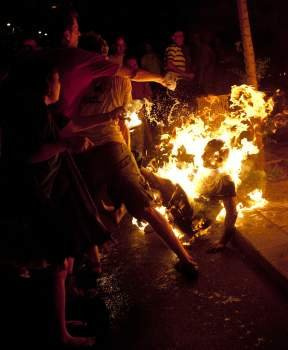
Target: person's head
[(92, 41), (215, 154), (65, 28), (120, 45), (131, 62), (178, 37)]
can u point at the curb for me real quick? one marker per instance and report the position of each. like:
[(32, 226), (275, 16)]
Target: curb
[(270, 268)]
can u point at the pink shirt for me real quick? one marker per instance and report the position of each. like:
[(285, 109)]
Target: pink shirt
[(77, 69)]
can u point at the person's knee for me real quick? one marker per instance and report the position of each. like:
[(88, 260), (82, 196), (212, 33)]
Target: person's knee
[(142, 213), (150, 213)]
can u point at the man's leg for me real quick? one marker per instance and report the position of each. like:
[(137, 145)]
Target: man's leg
[(164, 230)]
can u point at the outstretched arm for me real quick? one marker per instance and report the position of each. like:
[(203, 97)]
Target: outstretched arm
[(140, 75), (229, 225)]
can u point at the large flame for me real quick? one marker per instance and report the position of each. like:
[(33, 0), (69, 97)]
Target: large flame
[(185, 144)]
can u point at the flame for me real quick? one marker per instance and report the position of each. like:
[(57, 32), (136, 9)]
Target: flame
[(186, 144), (140, 224), (162, 210), (133, 120)]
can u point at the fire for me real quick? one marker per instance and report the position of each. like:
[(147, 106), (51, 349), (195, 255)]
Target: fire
[(184, 147), (133, 120), (141, 225)]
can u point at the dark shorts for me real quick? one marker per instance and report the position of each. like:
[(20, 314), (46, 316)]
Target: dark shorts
[(114, 165)]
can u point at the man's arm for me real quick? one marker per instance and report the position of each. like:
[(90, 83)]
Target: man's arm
[(231, 212), (230, 220), (140, 75), (229, 225)]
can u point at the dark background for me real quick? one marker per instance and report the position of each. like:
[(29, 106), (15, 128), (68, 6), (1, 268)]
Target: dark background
[(154, 19)]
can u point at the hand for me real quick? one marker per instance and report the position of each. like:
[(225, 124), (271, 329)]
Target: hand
[(118, 113), (169, 81)]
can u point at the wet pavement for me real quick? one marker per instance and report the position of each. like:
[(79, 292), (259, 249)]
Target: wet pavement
[(232, 305), (142, 302)]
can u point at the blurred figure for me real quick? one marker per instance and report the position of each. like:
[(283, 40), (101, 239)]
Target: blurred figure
[(150, 60), (119, 49), (30, 44), (36, 200), (140, 90), (175, 60), (204, 61)]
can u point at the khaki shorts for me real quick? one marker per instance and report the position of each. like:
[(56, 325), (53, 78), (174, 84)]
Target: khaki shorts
[(114, 165)]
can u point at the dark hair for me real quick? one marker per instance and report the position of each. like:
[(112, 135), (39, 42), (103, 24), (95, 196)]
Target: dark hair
[(61, 20), (91, 41), (114, 43), (215, 145)]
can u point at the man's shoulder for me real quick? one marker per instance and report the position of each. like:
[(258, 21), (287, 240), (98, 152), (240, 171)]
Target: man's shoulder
[(69, 55)]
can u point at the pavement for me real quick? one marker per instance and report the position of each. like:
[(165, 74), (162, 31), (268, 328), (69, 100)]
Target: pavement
[(263, 233)]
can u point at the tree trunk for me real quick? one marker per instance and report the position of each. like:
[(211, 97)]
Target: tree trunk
[(248, 49)]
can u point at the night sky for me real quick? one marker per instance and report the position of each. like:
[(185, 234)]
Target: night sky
[(154, 19)]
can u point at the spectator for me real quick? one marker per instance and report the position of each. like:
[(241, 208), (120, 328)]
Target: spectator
[(119, 49), (150, 60), (175, 61)]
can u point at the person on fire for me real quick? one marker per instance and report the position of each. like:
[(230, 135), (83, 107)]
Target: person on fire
[(217, 187)]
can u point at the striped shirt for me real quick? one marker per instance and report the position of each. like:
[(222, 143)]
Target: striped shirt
[(174, 54)]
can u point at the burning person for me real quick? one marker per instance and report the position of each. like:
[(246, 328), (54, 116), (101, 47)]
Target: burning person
[(214, 188)]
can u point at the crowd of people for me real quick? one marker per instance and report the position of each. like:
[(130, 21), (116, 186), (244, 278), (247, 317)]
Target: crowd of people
[(66, 155)]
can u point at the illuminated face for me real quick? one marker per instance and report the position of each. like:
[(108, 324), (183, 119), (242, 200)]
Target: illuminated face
[(178, 38), (120, 46), (72, 35)]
